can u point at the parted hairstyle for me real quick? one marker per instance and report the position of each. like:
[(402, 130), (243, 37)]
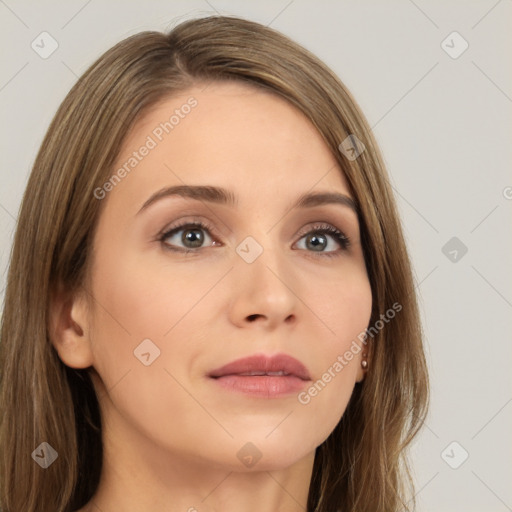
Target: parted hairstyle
[(362, 466)]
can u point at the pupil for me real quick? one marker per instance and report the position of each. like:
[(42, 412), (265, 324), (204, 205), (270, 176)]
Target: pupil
[(194, 237), (316, 242)]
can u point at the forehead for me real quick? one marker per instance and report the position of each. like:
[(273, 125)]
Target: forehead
[(226, 134)]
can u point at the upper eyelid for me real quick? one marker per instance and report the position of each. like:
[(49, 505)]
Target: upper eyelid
[(206, 225), (320, 226), (201, 224), (179, 227)]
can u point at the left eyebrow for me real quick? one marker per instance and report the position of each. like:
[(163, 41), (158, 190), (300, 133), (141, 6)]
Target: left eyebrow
[(223, 196), (320, 198)]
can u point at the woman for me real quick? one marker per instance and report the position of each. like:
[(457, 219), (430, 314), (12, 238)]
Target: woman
[(217, 306)]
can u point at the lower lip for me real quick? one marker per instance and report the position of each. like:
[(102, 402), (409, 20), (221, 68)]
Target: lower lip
[(267, 386)]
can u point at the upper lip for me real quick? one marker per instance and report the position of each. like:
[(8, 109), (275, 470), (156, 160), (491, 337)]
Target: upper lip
[(261, 364)]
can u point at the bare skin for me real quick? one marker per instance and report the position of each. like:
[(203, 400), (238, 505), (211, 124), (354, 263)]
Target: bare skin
[(171, 434)]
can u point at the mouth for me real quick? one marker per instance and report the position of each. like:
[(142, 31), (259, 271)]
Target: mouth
[(263, 376), (260, 373)]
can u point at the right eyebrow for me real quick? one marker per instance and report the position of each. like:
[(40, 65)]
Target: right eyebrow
[(200, 192)]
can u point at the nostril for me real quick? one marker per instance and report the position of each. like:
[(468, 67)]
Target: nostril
[(251, 318)]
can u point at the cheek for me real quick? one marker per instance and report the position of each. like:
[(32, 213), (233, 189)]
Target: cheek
[(139, 299), (344, 305), (142, 353), (136, 301), (346, 310)]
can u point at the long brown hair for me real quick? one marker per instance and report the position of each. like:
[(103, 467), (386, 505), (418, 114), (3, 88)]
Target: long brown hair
[(362, 465)]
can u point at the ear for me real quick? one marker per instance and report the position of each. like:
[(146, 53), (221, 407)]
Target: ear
[(69, 328)]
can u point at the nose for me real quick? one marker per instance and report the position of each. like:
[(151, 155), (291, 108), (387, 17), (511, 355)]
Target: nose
[(263, 294)]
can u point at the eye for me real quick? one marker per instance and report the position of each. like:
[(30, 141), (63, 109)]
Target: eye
[(325, 239), (190, 234)]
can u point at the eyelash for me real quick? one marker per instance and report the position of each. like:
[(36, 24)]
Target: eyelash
[(340, 237)]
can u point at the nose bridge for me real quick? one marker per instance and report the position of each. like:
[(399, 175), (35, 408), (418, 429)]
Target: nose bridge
[(263, 286), (262, 258)]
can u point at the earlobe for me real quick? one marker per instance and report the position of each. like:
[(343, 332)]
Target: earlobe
[(361, 372), (69, 333)]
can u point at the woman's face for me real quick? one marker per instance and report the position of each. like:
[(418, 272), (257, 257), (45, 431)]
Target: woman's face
[(174, 301)]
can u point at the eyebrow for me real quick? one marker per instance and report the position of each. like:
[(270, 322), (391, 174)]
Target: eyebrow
[(223, 196)]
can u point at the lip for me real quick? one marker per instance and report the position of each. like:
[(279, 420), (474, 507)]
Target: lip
[(250, 375)]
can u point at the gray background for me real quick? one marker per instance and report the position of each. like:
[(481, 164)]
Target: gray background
[(444, 125)]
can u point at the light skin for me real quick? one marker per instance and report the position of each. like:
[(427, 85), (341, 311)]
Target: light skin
[(170, 434)]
